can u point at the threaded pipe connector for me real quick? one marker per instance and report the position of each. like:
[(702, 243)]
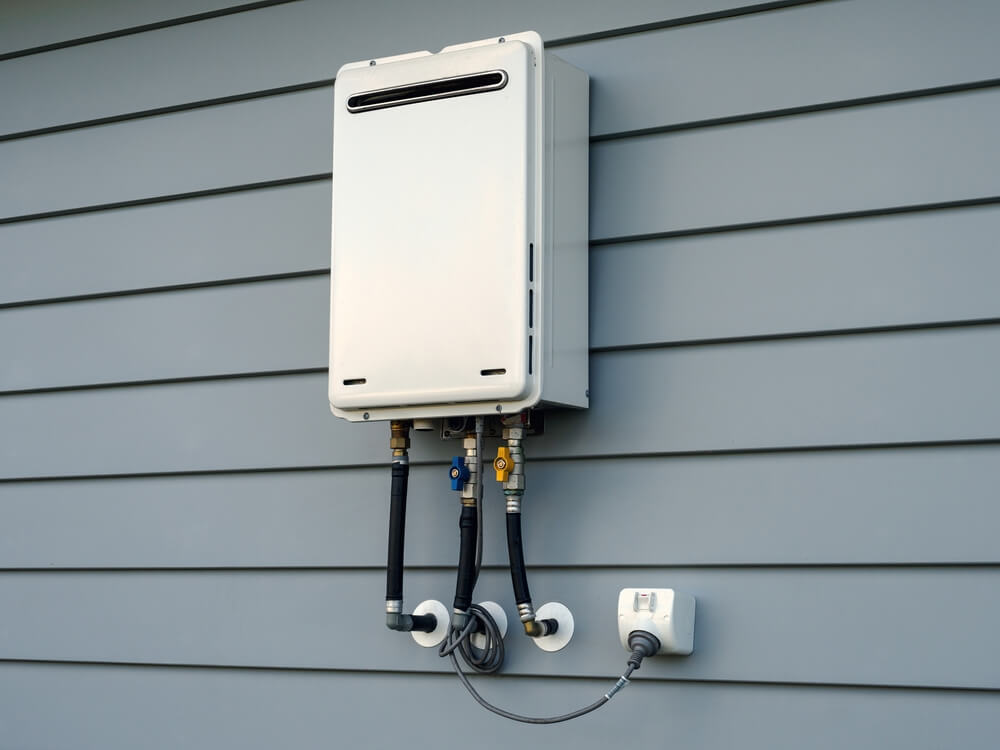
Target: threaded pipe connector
[(399, 438)]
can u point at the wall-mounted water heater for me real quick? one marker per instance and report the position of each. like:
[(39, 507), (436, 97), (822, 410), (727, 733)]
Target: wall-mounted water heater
[(459, 253), (459, 290)]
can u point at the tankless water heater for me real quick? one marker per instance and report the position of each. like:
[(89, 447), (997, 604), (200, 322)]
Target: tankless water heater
[(459, 250)]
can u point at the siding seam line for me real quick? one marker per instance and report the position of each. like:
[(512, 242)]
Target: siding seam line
[(180, 287), (502, 676), (559, 41), (649, 455), (593, 245), (500, 567), (800, 220), (619, 348), (169, 198), (748, 117), (130, 30), (691, 20)]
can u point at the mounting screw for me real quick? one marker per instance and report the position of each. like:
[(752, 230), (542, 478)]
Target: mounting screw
[(587, 393), (371, 62), (499, 407), (366, 415), (502, 40)]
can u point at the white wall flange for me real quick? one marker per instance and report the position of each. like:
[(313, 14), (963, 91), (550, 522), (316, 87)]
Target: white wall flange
[(436, 608), (499, 616), (561, 614)]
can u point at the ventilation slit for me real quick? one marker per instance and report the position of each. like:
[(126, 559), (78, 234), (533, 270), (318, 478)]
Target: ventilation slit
[(530, 350), (494, 371), (440, 88), (531, 261), (531, 308), (355, 381)]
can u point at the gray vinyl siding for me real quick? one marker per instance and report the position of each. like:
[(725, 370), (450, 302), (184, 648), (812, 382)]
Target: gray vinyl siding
[(795, 334)]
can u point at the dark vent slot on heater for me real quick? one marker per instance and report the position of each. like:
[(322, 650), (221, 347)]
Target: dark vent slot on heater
[(494, 371), (356, 381), (531, 348), (441, 88)]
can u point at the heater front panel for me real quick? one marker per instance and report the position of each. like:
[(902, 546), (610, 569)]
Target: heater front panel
[(433, 194)]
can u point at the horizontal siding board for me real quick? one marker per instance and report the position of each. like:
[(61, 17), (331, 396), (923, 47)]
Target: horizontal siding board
[(897, 506), (250, 233), (893, 154), (274, 325), (772, 170), (915, 386), (761, 62), (242, 53), (786, 280), (246, 142), (169, 708), (874, 49), (25, 24), (852, 626), (885, 271)]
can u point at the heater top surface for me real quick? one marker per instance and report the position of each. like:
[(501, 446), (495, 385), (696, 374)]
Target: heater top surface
[(434, 179)]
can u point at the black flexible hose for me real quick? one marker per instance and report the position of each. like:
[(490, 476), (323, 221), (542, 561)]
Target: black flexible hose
[(466, 582), (397, 530), (515, 551)]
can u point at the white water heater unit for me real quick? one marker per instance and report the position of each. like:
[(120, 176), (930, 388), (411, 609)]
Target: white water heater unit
[(459, 251)]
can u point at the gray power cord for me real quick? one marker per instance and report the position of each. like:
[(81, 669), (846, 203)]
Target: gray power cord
[(490, 658), (643, 644)]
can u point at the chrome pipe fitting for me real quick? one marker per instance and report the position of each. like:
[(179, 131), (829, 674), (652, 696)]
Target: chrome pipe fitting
[(393, 606), (513, 501), (470, 487)]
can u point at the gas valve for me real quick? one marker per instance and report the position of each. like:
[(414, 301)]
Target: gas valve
[(503, 464), (459, 472)]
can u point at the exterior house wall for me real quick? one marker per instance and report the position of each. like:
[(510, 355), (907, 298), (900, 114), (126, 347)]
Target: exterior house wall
[(795, 331)]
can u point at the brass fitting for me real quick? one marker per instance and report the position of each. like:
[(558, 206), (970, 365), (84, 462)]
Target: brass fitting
[(399, 441), (534, 629)]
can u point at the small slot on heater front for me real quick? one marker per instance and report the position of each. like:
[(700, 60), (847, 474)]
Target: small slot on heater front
[(356, 381), (531, 308), (440, 88), (530, 351), (494, 371)]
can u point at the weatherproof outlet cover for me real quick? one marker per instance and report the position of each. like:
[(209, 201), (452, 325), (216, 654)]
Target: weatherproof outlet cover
[(667, 614)]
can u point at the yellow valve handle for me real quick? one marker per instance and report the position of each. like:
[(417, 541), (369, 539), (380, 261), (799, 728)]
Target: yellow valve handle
[(502, 464)]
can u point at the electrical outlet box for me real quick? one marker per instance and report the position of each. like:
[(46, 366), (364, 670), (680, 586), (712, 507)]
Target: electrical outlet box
[(667, 614), (459, 242)]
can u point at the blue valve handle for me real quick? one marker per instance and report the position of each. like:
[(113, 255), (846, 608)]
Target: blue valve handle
[(458, 472)]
